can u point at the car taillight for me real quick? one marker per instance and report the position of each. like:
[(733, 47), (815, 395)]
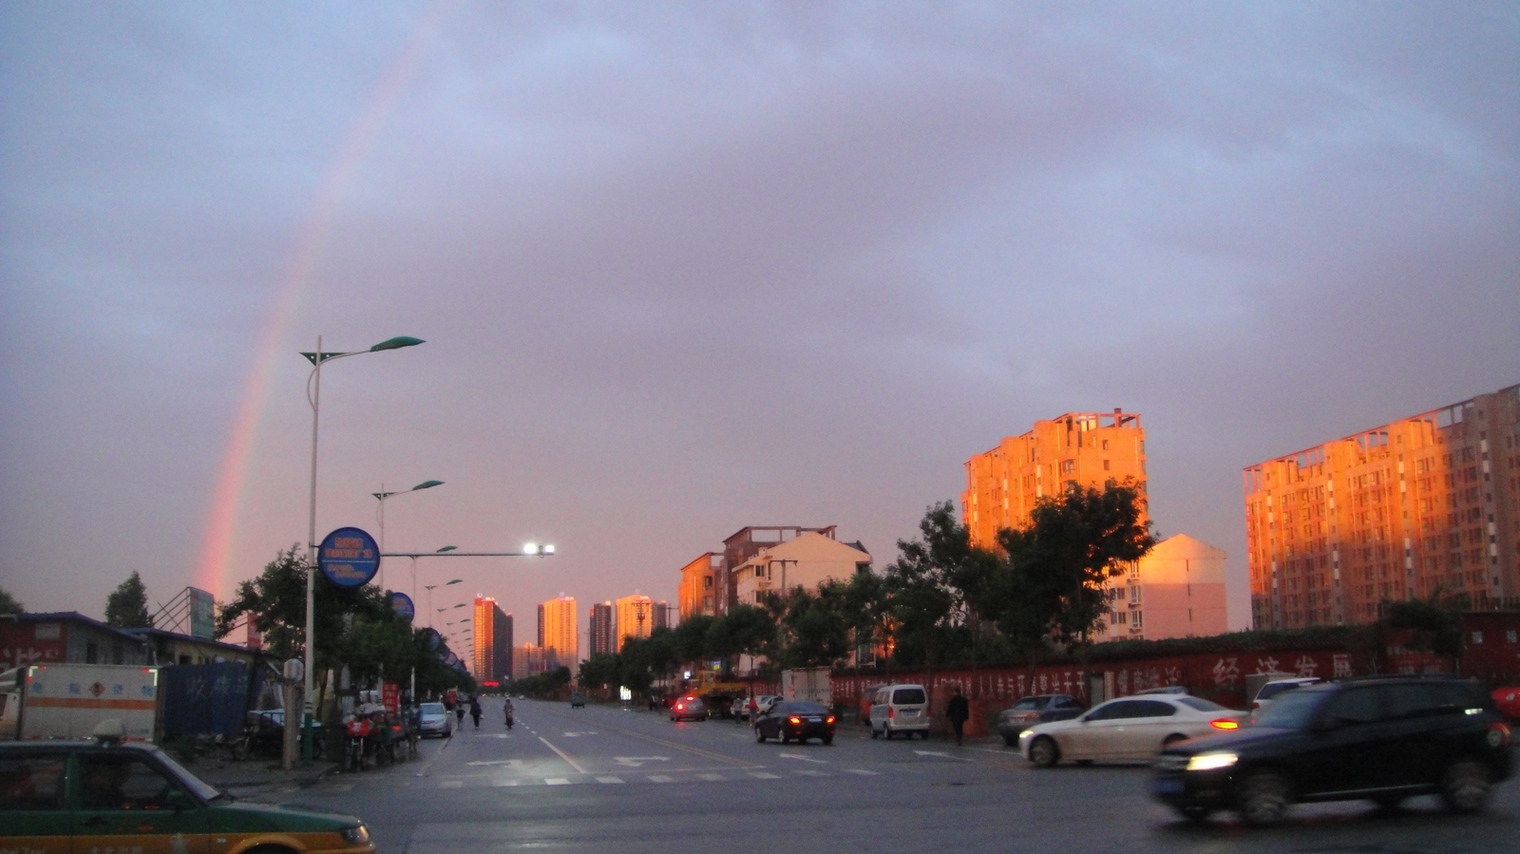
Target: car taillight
[(1255, 704), (679, 707), (891, 712), (829, 719), (1225, 723), (794, 720)]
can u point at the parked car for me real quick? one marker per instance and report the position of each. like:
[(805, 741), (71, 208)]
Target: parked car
[(1383, 739), (900, 709), (867, 697), (1126, 729), (763, 702), (264, 734), (577, 700), (796, 719), (111, 795), (1508, 702), (688, 709), (1036, 709), (434, 719), (1277, 687), (1164, 689)]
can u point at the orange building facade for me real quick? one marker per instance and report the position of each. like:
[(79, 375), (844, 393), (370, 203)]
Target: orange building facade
[(1426, 505), (695, 594), (1088, 448)]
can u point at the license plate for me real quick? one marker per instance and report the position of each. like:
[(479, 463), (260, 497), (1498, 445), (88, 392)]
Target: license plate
[(910, 713), (815, 720)]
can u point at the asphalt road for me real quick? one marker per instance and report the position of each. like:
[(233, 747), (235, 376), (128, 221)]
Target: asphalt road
[(602, 779)]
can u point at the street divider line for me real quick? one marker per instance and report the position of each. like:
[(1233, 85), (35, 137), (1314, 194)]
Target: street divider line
[(563, 755)]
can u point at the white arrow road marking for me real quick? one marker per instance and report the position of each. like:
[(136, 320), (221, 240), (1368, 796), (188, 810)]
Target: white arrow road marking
[(800, 758), (636, 761)]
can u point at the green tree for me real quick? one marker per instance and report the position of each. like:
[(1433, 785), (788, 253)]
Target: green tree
[(814, 630), (1434, 624), (127, 606), (600, 671), (925, 589), (1049, 585), (9, 604)]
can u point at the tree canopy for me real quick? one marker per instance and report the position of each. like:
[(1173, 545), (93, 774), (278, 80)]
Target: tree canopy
[(127, 606)]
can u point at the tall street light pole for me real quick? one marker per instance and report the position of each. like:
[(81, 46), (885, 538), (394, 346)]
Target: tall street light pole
[(430, 588), (314, 397), (380, 517)]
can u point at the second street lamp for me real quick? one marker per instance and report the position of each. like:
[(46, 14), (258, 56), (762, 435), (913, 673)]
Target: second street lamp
[(380, 517), (314, 397)]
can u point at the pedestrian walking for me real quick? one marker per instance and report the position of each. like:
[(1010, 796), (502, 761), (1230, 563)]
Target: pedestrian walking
[(459, 713), (957, 713), (475, 711)]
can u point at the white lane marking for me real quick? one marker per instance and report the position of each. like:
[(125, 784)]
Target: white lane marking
[(451, 784), (343, 787), (578, 734), (512, 762), (801, 758), (862, 771), (764, 775), (505, 783), (556, 781), (563, 755), (609, 779), (711, 777), (809, 772), (932, 753), (660, 778), (636, 761)]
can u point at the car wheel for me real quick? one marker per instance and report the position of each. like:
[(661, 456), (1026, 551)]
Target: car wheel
[(1044, 752), (1464, 787), (1264, 798), (785, 739), (1011, 741), (828, 739), (874, 733), (759, 735)]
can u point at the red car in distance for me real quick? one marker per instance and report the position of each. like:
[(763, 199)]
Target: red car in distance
[(1508, 701)]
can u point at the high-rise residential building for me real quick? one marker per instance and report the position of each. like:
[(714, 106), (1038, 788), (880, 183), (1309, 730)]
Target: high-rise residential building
[(528, 660), (635, 618), (558, 632), (664, 615), (695, 594), (1424, 506), (801, 562), (492, 643), (603, 641), (1086, 448)]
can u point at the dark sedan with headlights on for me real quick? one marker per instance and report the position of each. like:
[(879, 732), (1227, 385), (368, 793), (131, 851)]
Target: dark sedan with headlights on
[(796, 719)]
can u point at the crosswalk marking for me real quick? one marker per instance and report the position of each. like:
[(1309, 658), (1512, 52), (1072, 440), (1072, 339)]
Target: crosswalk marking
[(609, 779), (712, 777), (452, 784), (862, 771), (661, 778), (809, 772), (764, 775), (556, 781), (506, 783)]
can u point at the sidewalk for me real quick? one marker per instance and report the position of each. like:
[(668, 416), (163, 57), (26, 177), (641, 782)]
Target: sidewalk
[(258, 774)]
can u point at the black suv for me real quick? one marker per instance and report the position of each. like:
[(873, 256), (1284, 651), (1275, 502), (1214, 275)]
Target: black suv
[(1382, 739)]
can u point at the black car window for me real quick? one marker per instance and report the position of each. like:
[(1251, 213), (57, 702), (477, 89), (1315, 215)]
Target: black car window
[(805, 708), (1027, 704), (1201, 704), (31, 783), (1353, 706), (1419, 700), (909, 696), (1292, 710), (1113, 711), (1064, 703), (122, 782), (1151, 709)]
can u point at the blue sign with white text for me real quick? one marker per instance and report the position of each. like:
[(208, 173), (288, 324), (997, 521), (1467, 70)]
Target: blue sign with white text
[(349, 557), (402, 605)]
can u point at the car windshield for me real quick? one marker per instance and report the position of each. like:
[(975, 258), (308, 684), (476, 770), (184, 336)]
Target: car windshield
[(1201, 704), (1290, 711), (909, 696), (431, 709), (197, 787), (1028, 703)]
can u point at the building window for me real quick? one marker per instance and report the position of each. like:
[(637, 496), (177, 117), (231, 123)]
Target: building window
[(1477, 638), (1509, 636), (91, 653)]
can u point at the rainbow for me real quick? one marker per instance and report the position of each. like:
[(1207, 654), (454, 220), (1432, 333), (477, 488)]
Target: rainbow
[(214, 571)]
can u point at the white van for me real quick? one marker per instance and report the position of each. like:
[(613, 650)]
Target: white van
[(900, 709)]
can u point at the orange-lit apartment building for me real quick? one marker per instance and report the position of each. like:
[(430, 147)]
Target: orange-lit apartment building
[(1089, 448), (694, 594), (1425, 505), (559, 632), (492, 641)]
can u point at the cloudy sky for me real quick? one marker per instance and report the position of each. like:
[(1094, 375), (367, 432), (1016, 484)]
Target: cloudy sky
[(686, 267)]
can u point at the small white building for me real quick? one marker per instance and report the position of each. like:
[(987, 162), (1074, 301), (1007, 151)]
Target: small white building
[(804, 561), (1177, 590)]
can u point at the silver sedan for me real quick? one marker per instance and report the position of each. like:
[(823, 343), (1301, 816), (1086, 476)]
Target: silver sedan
[(1128, 729)]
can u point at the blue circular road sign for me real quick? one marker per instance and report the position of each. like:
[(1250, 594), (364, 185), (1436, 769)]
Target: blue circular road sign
[(402, 605), (349, 557)]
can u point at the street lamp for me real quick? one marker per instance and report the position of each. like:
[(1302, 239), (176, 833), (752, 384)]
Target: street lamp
[(430, 587), (314, 397), (380, 517)]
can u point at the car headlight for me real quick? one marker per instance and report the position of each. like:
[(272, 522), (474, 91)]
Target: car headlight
[(355, 835), (1025, 736), (1211, 761)]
